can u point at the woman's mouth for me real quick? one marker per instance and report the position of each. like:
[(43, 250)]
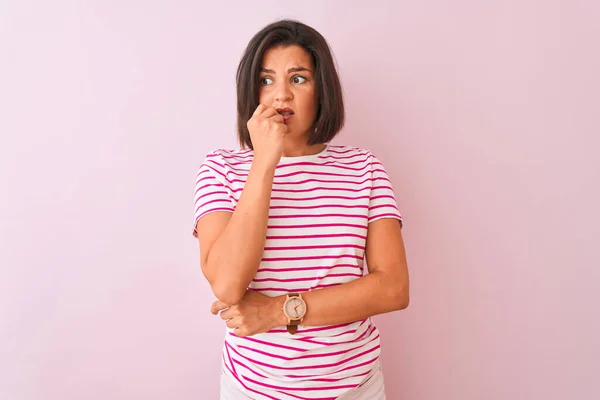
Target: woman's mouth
[(286, 113)]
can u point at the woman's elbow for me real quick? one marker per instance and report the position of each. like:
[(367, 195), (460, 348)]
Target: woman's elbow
[(400, 297), (228, 293), (403, 302), (226, 290)]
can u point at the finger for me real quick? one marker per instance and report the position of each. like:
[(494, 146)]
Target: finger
[(228, 314), (224, 315), (240, 332), (218, 306), (269, 112), (259, 110), (277, 118), (233, 323)]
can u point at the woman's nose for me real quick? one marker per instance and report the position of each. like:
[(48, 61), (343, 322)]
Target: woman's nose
[(283, 92)]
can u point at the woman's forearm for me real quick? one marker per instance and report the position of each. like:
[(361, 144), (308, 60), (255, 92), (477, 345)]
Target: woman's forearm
[(373, 294), (234, 257)]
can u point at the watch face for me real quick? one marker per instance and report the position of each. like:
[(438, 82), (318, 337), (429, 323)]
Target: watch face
[(295, 308)]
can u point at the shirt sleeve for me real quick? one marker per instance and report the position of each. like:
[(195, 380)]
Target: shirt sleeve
[(211, 192), (382, 203)]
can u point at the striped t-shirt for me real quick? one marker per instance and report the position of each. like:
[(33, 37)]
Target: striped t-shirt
[(320, 208)]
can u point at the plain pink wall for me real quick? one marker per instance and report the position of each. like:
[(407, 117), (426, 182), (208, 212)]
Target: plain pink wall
[(486, 116)]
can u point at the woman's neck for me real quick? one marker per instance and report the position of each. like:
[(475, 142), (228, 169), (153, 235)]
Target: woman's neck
[(300, 148)]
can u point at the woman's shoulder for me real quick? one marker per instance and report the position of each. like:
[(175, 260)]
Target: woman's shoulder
[(227, 152), (348, 151), (225, 156)]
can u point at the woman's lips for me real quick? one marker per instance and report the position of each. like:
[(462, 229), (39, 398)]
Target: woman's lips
[(286, 113)]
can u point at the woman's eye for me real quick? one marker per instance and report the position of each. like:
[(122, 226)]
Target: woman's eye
[(298, 79), (266, 81)]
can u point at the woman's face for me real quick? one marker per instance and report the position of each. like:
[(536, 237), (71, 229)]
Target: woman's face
[(287, 82)]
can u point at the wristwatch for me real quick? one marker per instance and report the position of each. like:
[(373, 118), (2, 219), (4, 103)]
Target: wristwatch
[(294, 309)]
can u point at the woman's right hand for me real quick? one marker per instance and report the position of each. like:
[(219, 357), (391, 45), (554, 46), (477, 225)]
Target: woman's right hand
[(267, 131)]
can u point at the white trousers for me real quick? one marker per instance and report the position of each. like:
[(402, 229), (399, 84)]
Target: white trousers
[(372, 388)]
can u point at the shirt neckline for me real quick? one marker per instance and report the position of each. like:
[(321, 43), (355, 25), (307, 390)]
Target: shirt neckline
[(306, 157)]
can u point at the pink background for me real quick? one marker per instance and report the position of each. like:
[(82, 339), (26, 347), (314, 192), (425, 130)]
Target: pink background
[(485, 115)]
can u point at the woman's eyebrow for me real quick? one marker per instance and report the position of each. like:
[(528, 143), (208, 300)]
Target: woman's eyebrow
[(293, 69), (298, 69)]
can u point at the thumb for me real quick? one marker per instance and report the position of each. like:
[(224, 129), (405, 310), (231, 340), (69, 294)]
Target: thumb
[(218, 306)]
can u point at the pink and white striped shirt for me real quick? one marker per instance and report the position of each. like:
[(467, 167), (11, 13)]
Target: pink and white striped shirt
[(320, 209)]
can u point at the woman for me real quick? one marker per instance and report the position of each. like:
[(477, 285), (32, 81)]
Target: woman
[(284, 226)]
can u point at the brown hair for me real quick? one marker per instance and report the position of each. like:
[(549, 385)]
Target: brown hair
[(330, 113)]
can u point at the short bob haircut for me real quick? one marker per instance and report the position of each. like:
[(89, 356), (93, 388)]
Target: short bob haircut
[(330, 112)]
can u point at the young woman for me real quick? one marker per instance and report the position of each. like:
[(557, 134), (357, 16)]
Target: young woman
[(284, 226)]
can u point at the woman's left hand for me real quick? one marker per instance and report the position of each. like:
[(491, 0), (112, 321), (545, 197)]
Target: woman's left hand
[(256, 313)]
